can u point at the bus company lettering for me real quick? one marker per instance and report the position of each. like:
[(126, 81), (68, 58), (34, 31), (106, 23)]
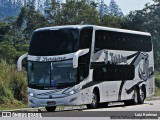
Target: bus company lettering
[(50, 58), (114, 59)]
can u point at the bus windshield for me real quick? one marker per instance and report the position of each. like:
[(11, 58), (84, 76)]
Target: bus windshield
[(45, 75), (54, 42)]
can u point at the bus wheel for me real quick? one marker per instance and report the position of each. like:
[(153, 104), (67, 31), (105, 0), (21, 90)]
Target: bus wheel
[(94, 103), (50, 108), (142, 95), (136, 97)]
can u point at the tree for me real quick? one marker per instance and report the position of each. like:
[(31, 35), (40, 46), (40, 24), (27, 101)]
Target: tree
[(111, 21), (103, 8), (7, 50), (157, 1), (114, 9), (73, 12), (147, 20), (16, 33), (29, 19), (4, 28)]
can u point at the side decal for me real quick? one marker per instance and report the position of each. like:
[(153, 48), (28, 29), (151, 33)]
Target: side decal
[(139, 60), (92, 83), (124, 81), (144, 71), (132, 88)]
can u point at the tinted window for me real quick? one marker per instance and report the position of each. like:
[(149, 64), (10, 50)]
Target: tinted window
[(54, 42), (85, 38), (113, 72), (46, 75), (122, 41), (85, 42)]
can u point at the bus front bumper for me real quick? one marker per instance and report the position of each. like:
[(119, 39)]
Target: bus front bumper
[(68, 100)]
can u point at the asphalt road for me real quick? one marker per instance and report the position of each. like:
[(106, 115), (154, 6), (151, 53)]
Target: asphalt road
[(147, 106), (113, 109)]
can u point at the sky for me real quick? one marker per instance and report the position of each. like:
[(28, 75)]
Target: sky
[(128, 5)]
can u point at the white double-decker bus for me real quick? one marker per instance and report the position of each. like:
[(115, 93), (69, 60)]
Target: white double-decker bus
[(88, 65)]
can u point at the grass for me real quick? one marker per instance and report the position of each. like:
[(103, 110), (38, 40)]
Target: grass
[(13, 87), (157, 92), (157, 83), (14, 105)]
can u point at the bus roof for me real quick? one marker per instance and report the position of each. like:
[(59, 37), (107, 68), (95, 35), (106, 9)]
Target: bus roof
[(95, 28)]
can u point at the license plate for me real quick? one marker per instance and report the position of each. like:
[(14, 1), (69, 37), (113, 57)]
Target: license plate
[(51, 103)]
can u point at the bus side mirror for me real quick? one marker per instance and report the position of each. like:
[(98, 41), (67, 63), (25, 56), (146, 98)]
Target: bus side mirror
[(19, 62), (76, 56)]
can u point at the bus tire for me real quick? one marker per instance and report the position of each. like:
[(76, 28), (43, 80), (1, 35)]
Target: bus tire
[(135, 99), (50, 108), (94, 103), (135, 96), (142, 95)]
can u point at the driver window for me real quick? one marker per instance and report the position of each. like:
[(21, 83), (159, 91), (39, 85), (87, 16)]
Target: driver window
[(83, 71)]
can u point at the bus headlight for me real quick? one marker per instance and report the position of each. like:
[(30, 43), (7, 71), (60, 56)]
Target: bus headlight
[(73, 91), (31, 94)]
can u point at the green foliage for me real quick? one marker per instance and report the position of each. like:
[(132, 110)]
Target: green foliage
[(157, 79), (29, 20), (157, 83), (7, 52), (73, 12), (147, 20), (13, 85), (18, 85), (111, 21), (4, 93), (10, 52), (4, 28)]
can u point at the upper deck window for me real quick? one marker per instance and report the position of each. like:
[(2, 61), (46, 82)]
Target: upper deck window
[(122, 41), (54, 42)]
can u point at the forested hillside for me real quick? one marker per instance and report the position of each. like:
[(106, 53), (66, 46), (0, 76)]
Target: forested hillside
[(18, 19)]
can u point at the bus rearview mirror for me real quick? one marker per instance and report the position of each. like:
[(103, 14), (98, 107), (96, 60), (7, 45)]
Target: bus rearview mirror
[(76, 56), (19, 62)]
